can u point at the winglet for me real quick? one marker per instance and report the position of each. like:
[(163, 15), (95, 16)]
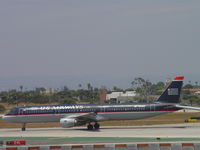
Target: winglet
[(179, 78)]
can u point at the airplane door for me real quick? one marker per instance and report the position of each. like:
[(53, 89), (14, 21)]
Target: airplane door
[(20, 112), (102, 109), (152, 107)]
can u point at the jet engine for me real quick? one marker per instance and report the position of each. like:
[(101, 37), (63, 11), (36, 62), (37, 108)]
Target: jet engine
[(68, 122)]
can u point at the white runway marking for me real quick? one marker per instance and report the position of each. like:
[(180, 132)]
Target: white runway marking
[(176, 130)]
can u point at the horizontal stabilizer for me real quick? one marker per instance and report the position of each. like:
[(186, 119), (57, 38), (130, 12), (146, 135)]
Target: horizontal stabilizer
[(188, 107)]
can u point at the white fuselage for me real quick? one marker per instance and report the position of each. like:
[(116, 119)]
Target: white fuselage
[(118, 113)]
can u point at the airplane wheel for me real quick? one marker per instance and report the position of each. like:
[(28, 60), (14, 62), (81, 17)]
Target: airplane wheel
[(24, 127), (90, 127), (96, 126)]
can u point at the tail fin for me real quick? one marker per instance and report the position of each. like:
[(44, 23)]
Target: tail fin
[(172, 92)]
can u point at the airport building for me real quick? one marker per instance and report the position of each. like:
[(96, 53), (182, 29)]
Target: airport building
[(121, 97), (102, 96), (194, 91), (49, 91)]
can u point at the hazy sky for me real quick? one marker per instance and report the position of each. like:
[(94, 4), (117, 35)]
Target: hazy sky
[(52, 43)]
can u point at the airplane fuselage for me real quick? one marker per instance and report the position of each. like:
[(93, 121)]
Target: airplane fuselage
[(74, 115), (53, 113)]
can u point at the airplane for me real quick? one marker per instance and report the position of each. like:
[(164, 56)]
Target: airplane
[(92, 114)]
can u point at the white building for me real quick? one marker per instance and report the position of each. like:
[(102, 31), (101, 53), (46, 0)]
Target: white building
[(49, 91), (121, 97)]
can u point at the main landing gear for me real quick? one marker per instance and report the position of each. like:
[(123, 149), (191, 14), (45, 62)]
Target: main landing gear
[(23, 127), (96, 126)]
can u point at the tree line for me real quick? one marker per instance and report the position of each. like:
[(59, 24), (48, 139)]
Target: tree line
[(147, 91), (39, 96)]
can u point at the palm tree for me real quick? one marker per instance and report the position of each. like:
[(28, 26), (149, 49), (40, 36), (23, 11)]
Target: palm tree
[(80, 85), (21, 87), (196, 83)]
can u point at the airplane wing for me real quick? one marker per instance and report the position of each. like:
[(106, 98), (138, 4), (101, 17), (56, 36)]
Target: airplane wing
[(80, 119), (88, 117), (85, 118), (188, 107)]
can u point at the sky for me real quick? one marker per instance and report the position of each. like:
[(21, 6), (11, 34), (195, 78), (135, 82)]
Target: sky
[(56, 43)]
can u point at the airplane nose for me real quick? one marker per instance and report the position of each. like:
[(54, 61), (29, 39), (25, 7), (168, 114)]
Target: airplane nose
[(4, 117), (7, 118)]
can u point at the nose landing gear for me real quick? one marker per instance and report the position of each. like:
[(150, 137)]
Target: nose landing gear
[(23, 127)]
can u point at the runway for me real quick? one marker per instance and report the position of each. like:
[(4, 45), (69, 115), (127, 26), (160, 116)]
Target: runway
[(187, 130)]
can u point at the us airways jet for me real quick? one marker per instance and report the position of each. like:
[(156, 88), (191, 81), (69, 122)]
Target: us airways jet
[(91, 114)]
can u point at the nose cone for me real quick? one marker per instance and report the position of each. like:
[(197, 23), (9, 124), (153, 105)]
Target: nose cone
[(6, 118), (3, 117), (11, 119)]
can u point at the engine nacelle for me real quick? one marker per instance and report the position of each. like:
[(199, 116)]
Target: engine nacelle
[(68, 122)]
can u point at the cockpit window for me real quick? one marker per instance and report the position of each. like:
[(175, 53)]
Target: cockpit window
[(13, 111)]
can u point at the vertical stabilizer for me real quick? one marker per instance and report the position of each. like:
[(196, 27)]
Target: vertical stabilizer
[(172, 92)]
